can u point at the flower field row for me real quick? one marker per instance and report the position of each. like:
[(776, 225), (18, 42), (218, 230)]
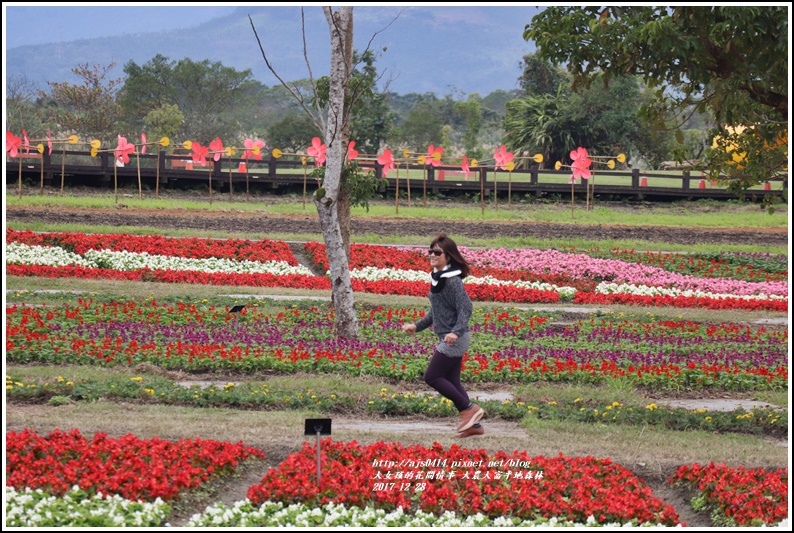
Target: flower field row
[(235, 249), (160, 390), (384, 483), (277, 514), (136, 469), (569, 266), (731, 265), (132, 261), (737, 496), (464, 481), (526, 276), (507, 346)]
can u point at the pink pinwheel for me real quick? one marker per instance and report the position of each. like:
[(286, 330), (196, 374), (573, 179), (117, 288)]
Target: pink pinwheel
[(143, 143), (200, 154), (581, 164), (49, 142), (249, 149), (26, 144), (317, 151), (352, 153), (12, 144), (502, 157), (386, 160), (465, 167), (433, 156), (216, 147), (124, 149)]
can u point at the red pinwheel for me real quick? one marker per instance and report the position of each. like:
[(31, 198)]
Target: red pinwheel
[(352, 153), (317, 151), (433, 156), (49, 142), (26, 143), (13, 144), (502, 157), (465, 167), (200, 154), (216, 147), (581, 164), (386, 160), (249, 149), (143, 143), (124, 149)]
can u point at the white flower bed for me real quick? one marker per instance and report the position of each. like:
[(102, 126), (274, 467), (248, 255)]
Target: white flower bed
[(644, 290), (126, 261), (274, 514), (377, 274), (34, 508), (23, 254)]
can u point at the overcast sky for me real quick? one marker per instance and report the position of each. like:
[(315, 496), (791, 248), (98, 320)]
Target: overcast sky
[(25, 23)]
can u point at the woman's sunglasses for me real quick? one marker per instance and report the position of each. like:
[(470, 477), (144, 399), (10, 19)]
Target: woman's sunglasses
[(435, 252)]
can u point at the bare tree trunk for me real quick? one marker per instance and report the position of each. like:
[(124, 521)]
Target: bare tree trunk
[(344, 218), (340, 25)]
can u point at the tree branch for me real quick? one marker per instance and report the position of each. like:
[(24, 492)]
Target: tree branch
[(294, 93)]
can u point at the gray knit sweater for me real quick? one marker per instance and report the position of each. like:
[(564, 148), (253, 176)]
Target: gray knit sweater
[(450, 310)]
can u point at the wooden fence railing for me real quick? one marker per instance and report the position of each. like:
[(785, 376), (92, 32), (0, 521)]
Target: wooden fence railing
[(159, 169)]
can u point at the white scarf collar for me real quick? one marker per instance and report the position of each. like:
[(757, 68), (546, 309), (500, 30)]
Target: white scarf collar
[(447, 273)]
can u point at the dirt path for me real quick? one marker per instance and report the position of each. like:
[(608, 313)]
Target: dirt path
[(242, 223)]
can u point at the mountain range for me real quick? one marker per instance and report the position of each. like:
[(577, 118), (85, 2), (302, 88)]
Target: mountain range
[(422, 49)]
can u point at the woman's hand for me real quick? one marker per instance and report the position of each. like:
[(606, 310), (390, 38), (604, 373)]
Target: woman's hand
[(410, 329), (450, 338)]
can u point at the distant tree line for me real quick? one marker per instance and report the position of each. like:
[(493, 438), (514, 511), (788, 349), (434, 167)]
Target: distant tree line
[(200, 100)]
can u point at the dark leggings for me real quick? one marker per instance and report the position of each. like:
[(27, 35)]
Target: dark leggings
[(443, 374)]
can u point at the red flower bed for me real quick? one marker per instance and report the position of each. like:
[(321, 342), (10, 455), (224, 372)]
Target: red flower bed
[(480, 293), (192, 247), (467, 481), (751, 497), (680, 301), (173, 276), (136, 469)]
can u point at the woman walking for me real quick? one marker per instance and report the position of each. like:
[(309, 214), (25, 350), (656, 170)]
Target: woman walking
[(450, 311)]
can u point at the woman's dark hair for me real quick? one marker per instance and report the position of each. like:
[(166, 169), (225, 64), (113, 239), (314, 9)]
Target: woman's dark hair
[(452, 253)]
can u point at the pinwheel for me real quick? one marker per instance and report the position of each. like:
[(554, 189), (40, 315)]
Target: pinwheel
[(502, 158), (580, 167), (13, 144), (386, 160), (607, 161), (317, 151), (25, 141), (216, 148), (465, 167), (352, 153), (199, 153), (253, 148), (433, 156), (123, 150)]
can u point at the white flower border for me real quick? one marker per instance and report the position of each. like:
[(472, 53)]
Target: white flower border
[(17, 253), (275, 514)]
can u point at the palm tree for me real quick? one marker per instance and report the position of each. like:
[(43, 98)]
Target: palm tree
[(539, 123)]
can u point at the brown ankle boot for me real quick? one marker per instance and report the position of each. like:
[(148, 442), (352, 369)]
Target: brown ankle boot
[(472, 431), (470, 416)]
